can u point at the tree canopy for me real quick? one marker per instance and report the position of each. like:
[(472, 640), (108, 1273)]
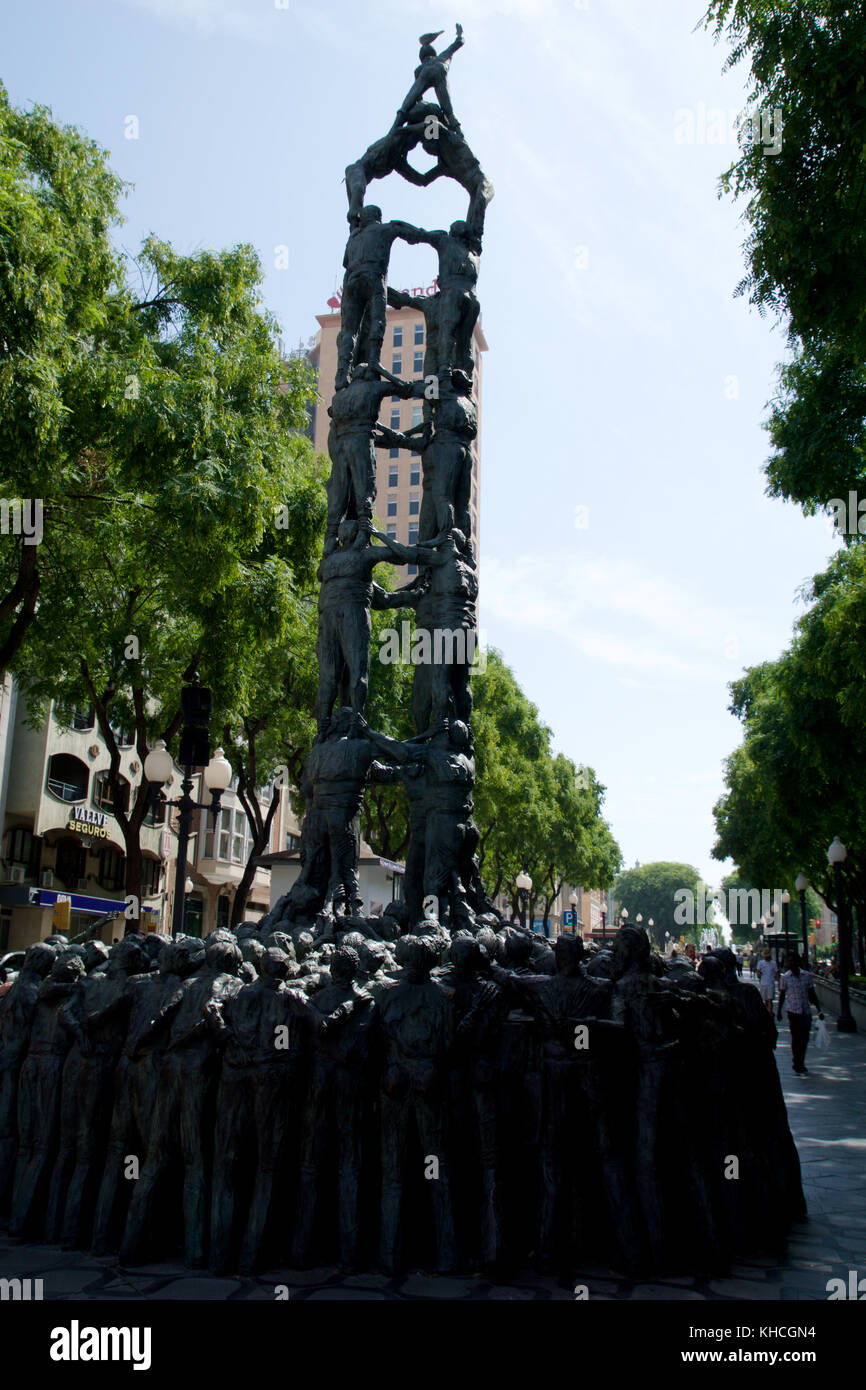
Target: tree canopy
[(656, 891), (806, 234)]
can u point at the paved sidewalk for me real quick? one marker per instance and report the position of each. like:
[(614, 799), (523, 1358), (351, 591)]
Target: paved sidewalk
[(827, 1111)]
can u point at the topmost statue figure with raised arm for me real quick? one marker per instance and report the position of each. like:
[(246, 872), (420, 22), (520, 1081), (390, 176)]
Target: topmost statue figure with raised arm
[(432, 71)]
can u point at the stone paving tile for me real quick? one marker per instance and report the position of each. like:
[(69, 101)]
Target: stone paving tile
[(199, 1287), (509, 1292), (165, 1268), (437, 1286), (125, 1288), (743, 1288), (73, 1281), (300, 1277), (666, 1291)]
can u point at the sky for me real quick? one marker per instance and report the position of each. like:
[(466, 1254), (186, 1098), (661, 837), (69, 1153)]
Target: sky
[(630, 564)]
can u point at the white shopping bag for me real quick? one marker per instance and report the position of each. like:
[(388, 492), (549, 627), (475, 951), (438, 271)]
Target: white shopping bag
[(822, 1036)]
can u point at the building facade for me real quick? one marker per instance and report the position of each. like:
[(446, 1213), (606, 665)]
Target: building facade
[(62, 842), (398, 474)]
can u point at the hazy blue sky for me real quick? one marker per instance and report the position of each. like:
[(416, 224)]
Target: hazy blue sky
[(622, 376)]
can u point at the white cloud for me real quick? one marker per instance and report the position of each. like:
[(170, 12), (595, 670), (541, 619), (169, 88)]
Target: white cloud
[(210, 17), (615, 612)]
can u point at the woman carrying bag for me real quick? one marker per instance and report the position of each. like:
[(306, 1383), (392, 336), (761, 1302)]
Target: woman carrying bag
[(796, 986)]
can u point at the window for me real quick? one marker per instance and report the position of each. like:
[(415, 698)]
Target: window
[(398, 335), (411, 570), (393, 476), (193, 916), (397, 363), (155, 814), (416, 414), (419, 334), (68, 777), (413, 506), (83, 718), (124, 735), (112, 868), (225, 832), (103, 793), (293, 843), (234, 836), (393, 453), (395, 419), (415, 475), (418, 362), (222, 914), (70, 863), (392, 508), (413, 533), (391, 533), (395, 399), (240, 825), (149, 877), (22, 847)]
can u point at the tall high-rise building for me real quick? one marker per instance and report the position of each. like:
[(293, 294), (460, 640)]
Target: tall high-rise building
[(398, 474)]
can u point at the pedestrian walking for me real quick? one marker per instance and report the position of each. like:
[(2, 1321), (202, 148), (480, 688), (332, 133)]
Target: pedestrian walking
[(767, 972), (797, 988)]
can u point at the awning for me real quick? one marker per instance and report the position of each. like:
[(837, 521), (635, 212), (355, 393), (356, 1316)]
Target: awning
[(80, 902)]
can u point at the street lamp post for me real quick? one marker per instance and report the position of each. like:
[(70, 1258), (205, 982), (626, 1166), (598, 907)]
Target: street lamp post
[(786, 902), (603, 927), (650, 929), (836, 856), (187, 889), (801, 884), (573, 900), (194, 752), (523, 884), (776, 930)]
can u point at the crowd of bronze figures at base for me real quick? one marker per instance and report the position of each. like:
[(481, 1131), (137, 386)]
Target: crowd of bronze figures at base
[(469, 1101)]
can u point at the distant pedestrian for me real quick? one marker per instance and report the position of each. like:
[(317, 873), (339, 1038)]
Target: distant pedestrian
[(767, 972), (691, 953), (740, 963), (797, 988)]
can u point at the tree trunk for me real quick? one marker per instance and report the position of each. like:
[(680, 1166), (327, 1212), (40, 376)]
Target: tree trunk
[(23, 596), (261, 836)]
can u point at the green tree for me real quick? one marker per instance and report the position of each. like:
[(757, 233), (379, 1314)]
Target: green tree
[(534, 810), (804, 181), (58, 282), (799, 777), (656, 891), (204, 506)]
